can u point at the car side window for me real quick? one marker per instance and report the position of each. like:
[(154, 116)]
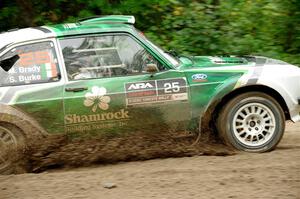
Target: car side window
[(35, 63), (105, 56)]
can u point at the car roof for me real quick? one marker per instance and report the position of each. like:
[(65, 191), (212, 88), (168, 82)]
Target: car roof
[(93, 25), (21, 35)]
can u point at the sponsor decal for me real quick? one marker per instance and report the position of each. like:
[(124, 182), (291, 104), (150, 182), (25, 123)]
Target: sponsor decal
[(97, 99), (156, 91), (139, 86), (76, 119), (199, 77), (95, 126)]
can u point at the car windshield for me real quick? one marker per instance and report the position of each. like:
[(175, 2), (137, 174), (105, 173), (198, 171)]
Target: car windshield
[(174, 60)]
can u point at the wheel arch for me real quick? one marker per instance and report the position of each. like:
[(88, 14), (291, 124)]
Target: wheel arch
[(215, 106), (258, 88), (28, 126)]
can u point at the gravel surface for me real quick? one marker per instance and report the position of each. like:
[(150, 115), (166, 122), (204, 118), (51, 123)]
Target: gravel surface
[(269, 175)]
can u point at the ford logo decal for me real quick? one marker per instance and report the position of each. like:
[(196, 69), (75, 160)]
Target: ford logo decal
[(199, 77)]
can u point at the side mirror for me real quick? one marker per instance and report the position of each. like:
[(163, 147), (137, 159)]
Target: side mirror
[(151, 68)]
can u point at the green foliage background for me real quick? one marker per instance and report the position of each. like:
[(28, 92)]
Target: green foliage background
[(193, 27)]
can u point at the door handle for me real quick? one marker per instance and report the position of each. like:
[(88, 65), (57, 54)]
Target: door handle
[(79, 89)]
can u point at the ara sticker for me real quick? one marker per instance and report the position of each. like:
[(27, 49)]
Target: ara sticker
[(199, 77), (156, 91)]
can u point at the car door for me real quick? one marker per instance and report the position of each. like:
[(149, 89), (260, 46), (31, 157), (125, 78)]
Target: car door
[(110, 90)]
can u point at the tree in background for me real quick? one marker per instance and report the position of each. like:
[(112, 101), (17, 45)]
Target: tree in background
[(208, 27)]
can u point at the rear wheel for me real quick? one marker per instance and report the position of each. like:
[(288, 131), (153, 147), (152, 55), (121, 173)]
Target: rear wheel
[(11, 141), (252, 122)]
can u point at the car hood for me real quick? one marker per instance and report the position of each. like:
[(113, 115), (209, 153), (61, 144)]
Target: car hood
[(221, 61)]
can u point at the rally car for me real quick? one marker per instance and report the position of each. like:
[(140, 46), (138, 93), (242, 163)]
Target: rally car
[(102, 75)]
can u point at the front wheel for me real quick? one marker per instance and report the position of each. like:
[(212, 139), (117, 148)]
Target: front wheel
[(252, 122)]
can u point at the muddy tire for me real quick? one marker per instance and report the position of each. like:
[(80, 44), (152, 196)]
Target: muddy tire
[(12, 142), (252, 122)]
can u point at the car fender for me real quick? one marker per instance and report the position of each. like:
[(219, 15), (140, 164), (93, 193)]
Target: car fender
[(221, 92), (288, 96)]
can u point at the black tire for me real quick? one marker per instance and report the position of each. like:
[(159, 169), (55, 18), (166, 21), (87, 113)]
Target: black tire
[(12, 143), (234, 122)]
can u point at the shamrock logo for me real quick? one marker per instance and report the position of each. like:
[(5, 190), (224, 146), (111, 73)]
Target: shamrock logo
[(97, 99)]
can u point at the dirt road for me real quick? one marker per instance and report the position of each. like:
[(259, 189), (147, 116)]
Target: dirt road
[(269, 175)]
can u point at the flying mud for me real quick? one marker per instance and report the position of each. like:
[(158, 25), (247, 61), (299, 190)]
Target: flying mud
[(61, 151), (244, 175)]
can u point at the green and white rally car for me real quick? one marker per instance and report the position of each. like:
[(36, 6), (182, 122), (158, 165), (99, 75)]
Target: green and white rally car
[(102, 75)]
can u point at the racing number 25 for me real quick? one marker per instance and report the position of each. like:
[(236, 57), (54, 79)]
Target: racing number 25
[(171, 87)]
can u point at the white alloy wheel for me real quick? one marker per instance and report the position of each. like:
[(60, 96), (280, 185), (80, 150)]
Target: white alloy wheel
[(253, 124)]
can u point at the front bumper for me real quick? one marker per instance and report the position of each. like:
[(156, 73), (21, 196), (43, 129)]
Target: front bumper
[(295, 113)]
